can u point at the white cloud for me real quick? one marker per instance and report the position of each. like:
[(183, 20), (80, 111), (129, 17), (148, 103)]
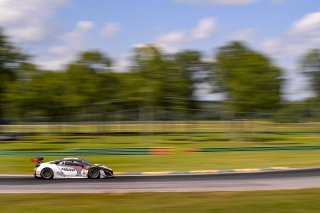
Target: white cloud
[(309, 26), (278, 2), (206, 28), (122, 63), (110, 29), (84, 25), (139, 45), (173, 41), (173, 37), (246, 35), (304, 34), (218, 2), (71, 44), (29, 20), (288, 47)]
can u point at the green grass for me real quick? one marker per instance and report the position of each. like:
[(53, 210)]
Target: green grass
[(288, 201), (64, 141), (178, 160), (183, 161)]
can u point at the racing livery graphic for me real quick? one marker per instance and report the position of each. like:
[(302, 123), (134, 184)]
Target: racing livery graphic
[(69, 168)]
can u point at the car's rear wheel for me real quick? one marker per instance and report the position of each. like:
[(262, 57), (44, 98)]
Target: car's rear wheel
[(46, 173), (94, 173)]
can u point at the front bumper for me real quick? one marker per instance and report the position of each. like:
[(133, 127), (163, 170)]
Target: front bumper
[(107, 173)]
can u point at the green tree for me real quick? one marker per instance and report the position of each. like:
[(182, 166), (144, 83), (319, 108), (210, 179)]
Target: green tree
[(148, 65), (11, 60), (19, 93), (165, 81), (192, 72), (93, 84), (79, 90), (310, 64), (250, 81), (95, 59)]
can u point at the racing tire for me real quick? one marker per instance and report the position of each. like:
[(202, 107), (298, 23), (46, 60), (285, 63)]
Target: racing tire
[(94, 173), (46, 173)]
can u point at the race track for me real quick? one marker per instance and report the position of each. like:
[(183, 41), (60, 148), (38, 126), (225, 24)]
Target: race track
[(294, 179)]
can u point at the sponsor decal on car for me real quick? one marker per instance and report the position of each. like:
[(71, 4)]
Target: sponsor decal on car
[(68, 169)]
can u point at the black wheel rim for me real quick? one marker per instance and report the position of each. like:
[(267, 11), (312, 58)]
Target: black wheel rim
[(46, 173), (94, 173)]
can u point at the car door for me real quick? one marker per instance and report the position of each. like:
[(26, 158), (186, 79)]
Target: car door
[(68, 168), (75, 167)]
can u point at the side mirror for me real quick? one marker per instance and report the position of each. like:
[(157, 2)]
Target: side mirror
[(81, 164)]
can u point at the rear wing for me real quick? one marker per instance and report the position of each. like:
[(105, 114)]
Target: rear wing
[(37, 160)]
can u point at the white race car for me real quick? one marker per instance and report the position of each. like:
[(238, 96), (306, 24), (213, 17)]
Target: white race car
[(69, 168)]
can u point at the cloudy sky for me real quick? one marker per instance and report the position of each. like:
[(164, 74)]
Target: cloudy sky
[(54, 31)]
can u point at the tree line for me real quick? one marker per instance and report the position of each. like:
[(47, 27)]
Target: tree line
[(88, 87)]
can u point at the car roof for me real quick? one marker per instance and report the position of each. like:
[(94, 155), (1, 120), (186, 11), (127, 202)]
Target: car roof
[(71, 159)]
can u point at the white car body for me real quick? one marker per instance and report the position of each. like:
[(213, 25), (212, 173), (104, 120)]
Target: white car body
[(70, 168)]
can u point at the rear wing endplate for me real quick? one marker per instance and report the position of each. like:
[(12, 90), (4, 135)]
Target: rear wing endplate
[(37, 159)]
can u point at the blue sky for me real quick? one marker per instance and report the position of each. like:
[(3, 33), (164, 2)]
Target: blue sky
[(55, 31)]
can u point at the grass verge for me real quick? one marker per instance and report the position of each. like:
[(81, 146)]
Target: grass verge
[(182, 161), (178, 160), (293, 201)]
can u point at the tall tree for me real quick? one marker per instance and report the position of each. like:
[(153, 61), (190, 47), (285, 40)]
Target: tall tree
[(11, 60), (150, 68), (82, 88), (251, 82), (310, 64), (91, 82), (192, 71), (166, 81), (95, 60), (20, 94)]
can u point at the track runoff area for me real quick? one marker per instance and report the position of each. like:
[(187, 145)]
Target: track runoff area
[(170, 182)]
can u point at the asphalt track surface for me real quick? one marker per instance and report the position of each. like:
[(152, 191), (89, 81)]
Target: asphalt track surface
[(292, 179)]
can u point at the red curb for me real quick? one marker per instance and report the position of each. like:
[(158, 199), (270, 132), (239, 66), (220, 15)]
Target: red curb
[(161, 150)]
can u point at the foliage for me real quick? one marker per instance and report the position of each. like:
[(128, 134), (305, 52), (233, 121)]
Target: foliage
[(157, 85), (310, 64), (166, 81), (250, 81), (11, 61), (95, 60), (297, 112), (78, 90)]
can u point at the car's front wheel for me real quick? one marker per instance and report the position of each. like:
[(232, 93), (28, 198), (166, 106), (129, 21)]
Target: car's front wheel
[(94, 173), (46, 173)]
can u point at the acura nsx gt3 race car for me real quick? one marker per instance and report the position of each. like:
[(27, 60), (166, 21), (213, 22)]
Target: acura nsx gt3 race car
[(69, 168)]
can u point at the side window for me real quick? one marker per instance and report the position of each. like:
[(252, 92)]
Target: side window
[(60, 163), (69, 163), (76, 163), (72, 163)]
